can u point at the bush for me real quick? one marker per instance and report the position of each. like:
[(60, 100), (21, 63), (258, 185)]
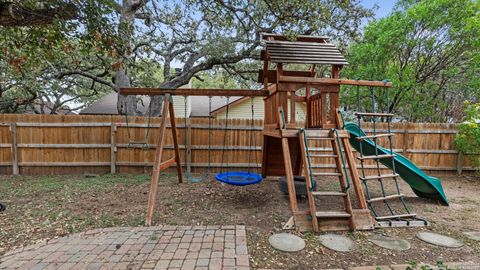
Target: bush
[(468, 136)]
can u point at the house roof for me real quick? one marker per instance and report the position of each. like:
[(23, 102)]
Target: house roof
[(108, 105), (199, 105)]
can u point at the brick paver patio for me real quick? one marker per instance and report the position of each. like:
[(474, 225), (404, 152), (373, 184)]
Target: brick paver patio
[(159, 247)]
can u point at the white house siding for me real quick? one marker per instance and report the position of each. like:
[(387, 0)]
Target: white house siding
[(243, 110), (179, 106)]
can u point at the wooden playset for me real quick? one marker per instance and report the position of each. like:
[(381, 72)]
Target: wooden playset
[(286, 143)]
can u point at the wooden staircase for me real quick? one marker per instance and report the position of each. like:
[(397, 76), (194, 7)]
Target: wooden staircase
[(306, 136)]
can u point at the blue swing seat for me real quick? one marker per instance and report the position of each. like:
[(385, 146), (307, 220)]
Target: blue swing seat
[(239, 178)]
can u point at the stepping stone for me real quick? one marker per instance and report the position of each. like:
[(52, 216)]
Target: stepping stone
[(389, 242), (439, 240), (472, 235), (286, 242), (337, 242)]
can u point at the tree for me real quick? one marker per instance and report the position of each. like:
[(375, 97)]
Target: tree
[(112, 41), (33, 59), (18, 14), (430, 51)]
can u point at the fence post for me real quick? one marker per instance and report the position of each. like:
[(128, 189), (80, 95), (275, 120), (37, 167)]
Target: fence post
[(113, 150), (405, 141), (13, 130), (459, 162), (188, 146)]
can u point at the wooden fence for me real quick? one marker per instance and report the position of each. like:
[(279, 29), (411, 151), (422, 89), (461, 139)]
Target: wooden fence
[(57, 144)]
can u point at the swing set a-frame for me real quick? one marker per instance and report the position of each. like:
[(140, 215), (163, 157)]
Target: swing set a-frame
[(285, 142)]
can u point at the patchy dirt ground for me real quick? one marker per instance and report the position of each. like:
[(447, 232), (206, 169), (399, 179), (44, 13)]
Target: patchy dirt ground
[(46, 207)]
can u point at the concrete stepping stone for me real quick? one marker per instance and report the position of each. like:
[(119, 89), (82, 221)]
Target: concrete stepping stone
[(389, 242), (337, 242), (286, 242), (439, 240), (472, 235)]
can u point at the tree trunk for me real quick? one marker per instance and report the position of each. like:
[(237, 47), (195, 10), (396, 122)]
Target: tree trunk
[(157, 101), (126, 104), (157, 105)]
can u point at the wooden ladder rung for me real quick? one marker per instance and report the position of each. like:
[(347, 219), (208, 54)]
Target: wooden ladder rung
[(327, 174), (389, 197), (325, 134), (374, 136), (374, 114), (375, 157), (382, 176), (328, 193), (320, 139), (396, 216), (323, 155), (332, 214)]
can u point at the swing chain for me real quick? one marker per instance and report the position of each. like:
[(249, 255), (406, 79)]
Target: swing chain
[(131, 143)]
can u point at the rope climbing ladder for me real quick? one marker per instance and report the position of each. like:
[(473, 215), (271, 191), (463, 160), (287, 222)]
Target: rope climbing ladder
[(390, 214)]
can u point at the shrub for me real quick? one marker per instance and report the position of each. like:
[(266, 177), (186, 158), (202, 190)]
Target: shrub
[(467, 140)]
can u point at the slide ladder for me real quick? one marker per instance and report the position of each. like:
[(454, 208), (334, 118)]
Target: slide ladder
[(382, 205), (317, 215)]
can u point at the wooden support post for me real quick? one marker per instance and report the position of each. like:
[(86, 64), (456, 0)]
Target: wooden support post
[(308, 182), (158, 161), (175, 142), (343, 177), (113, 150), (307, 103), (292, 107), (188, 145), (289, 175), (13, 130), (405, 141), (352, 166), (459, 163)]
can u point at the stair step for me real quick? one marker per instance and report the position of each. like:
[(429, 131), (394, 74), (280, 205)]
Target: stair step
[(332, 214), (374, 136), (328, 193), (396, 216), (375, 157), (323, 155), (374, 114), (389, 197), (327, 174), (375, 177)]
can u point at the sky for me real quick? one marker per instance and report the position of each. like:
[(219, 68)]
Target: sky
[(384, 6)]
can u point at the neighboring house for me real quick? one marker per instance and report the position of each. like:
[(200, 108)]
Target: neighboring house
[(197, 106), (242, 109)]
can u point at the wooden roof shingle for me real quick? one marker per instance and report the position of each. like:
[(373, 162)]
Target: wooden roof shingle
[(304, 53)]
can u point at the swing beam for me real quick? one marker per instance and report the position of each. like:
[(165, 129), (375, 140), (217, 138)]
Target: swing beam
[(194, 92)]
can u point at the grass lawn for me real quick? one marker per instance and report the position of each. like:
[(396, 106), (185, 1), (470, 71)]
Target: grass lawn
[(41, 208)]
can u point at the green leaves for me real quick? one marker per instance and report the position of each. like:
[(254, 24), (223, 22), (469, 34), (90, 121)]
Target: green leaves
[(428, 49), (467, 140)]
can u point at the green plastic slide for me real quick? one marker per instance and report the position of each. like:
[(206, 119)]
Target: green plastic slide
[(422, 184)]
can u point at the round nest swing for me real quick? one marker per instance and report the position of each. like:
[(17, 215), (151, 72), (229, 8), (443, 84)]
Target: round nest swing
[(239, 178)]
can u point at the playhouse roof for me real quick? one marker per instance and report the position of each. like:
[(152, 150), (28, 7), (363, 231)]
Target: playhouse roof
[(304, 53)]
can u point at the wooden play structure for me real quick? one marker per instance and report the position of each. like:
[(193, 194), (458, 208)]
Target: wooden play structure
[(286, 143)]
